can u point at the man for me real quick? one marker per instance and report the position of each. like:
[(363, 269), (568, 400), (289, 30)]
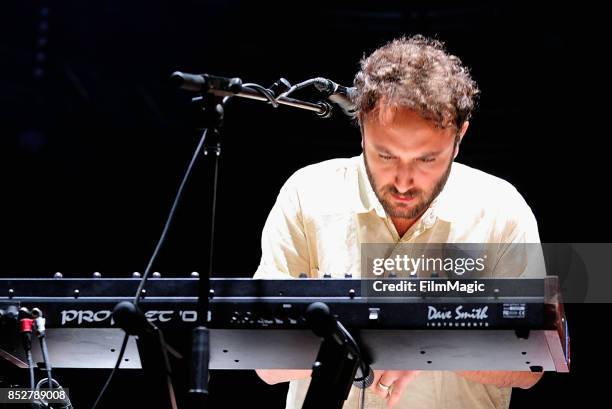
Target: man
[(414, 102)]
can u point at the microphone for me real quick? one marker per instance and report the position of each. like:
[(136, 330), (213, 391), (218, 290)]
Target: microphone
[(205, 82), (340, 95), (131, 319), (364, 382), (325, 325)]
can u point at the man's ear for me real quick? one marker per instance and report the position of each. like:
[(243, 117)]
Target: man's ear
[(461, 134)]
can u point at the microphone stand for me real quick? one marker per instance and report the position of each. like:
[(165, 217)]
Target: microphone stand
[(332, 376), (209, 109), (152, 350), (338, 359), (213, 92)]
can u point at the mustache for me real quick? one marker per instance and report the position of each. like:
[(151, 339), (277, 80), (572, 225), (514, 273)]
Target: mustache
[(408, 194)]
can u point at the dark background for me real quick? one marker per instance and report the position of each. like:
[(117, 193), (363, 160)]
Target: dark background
[(94, 140)]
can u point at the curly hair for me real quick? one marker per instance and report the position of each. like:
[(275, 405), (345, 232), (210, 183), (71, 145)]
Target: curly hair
[(415, 73)]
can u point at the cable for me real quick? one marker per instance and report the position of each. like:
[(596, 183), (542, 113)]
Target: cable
[(31, 368), (263, 91), (41, 332), (39, 324), (25, 328), (31, 371), (177, 198), (67, 403), (45, 354), (362, 406), (349, 337), (365, 371), (213, 217), (161, 240), (301, 85), (110, 377)]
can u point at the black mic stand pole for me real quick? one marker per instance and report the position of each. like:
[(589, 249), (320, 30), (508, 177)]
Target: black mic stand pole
[(334, 369), (209, 111), (332, 376), (152, 350)]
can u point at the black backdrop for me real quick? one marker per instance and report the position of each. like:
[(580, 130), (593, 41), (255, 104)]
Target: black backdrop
[(94, 140)]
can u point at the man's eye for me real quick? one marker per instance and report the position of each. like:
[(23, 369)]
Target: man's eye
[(428, 160), (385, 157)]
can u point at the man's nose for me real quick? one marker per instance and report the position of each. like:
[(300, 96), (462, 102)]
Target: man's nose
[(404, 178)]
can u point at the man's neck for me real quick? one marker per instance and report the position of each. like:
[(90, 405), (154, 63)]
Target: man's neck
[(402, 225)]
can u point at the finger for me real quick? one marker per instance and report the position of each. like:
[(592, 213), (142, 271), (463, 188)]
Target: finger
[(377, 374), (387, 378), (399, 387), (374, 387)]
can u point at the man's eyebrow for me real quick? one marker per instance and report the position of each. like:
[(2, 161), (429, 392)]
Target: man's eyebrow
[(382, 149), (424, 155), (432, 153)]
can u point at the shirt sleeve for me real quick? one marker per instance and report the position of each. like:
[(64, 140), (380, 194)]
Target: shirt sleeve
[(284, 246)]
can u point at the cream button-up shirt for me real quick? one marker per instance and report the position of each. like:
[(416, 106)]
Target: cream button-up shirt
[(326, 211)]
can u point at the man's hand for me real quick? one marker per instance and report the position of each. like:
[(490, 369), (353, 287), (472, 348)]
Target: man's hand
[(396, 381), (504, 379), (274, 376)]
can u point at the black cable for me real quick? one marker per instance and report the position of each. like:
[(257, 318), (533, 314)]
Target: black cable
[(45, 355), (67, 404), (177, 198), (364, 369), (25, 329), (213, 215), (349, 337), (263, 91), (162, 237), (363, 395), (31, 371), (110, 377), (301, 85)]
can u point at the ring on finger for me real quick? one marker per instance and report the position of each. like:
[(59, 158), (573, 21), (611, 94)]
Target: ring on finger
[(384, 387)]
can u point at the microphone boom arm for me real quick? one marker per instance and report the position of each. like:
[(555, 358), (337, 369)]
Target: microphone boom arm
[(230, 87)]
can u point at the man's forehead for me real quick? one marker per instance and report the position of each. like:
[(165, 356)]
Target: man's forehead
[(385, 114), (424, 152), (418, 136)]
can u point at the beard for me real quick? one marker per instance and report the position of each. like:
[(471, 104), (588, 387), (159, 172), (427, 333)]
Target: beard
[(422, 199)]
